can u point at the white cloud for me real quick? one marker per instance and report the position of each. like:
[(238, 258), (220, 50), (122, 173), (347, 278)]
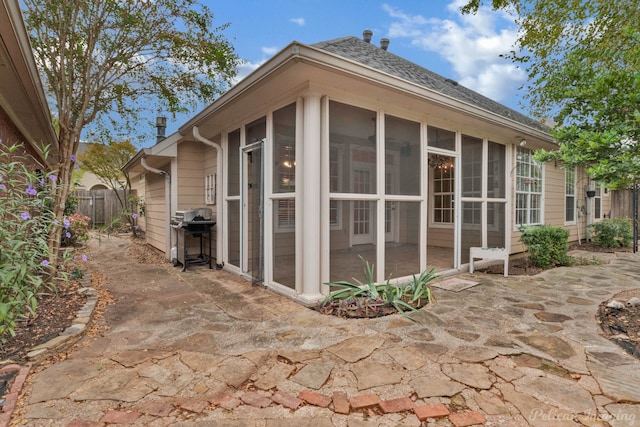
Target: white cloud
[(270, 50), (245, 69), (298, 21), (472, 44)]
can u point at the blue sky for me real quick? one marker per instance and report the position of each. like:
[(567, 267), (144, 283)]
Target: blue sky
[(431, 33)]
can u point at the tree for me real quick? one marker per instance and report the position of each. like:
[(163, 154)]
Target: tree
[(113, 60), (582, 58), (106, 162)]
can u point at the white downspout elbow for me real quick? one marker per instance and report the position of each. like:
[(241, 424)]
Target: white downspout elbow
[(219, 239)]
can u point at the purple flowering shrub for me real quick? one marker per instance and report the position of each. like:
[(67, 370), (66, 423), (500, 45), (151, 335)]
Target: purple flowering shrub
[(25, 220)]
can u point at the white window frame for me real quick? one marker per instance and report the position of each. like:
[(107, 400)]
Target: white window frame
[(525, 179), (337, 225), (570, 193), (597, 199), (210, 189), (434, 194)]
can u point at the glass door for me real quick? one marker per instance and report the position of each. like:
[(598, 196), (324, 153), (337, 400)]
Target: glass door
[(253, 211)]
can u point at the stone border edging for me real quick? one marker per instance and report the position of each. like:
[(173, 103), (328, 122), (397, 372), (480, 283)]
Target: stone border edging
[(65, 339), (74, 332)]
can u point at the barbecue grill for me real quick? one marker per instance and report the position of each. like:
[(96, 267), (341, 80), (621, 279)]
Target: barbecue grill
[(190, 225)]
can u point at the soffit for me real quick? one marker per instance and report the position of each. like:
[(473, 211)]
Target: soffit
[(21, 92)]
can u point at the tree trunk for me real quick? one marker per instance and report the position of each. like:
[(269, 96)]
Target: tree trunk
[(68, 143)]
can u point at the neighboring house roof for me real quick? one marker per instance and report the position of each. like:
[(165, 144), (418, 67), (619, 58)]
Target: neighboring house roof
[(372, 56), (21, 93)]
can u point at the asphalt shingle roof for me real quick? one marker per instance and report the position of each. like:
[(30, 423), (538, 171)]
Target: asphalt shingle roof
[(370, 55)]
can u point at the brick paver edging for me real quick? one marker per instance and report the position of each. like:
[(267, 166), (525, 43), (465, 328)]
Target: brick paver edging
[(344, 405), (11, 398)]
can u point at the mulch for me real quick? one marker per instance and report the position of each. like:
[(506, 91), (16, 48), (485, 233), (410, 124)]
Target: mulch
[(54, 313), (622, 326)]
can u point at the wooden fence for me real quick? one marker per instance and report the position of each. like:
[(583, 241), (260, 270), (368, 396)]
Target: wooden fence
[(102, 206), (622, 204)]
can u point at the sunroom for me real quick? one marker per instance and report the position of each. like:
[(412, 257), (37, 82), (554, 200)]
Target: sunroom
[(341, 152)]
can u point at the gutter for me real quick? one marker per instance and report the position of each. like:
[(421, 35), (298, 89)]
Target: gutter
[(196, 134)]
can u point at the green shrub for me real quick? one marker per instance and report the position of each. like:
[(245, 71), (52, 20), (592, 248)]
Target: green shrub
[(76, 230), (547, 245), (24, 227), (613, 233)]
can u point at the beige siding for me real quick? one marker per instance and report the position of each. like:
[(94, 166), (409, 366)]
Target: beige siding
[(155, 218), (554, 204), (190, 175)]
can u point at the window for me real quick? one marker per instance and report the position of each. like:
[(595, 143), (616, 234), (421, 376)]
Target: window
[(443, 188), (441, 138), (597, 202), (353, 134), (472, 172), (334, 183), (284, 143), (286, 214), (402, 152), (570, 195), (210, 189), (528, 188)]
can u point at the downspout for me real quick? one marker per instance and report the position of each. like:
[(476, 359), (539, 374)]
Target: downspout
[(167, 177), (219, 237)]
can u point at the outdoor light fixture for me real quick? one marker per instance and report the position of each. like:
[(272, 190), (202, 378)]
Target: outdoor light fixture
[(523, 142)]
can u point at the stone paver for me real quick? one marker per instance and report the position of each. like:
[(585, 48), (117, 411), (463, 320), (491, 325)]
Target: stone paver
[(473, 375), (205, 347), (371, 374), (314, 375), (435, 387)]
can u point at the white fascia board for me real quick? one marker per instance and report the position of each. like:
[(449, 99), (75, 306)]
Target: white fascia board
[(168, 147), (277, 61)]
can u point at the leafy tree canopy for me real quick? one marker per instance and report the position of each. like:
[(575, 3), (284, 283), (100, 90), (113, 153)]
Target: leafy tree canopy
[(582, 58), (111, 61), (106, 161)]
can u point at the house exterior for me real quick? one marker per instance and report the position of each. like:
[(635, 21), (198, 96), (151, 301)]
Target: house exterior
[(341, 151), (88, 180), (24, 114)]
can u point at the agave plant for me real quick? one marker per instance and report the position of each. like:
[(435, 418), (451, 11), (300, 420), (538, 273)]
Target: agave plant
[(369, 295)]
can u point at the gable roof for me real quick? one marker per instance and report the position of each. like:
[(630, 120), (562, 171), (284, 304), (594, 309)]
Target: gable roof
[(370, 55)]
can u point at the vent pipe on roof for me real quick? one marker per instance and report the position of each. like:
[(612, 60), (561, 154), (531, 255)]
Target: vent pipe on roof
[(366, 35), (161, 125), (384, 43)]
